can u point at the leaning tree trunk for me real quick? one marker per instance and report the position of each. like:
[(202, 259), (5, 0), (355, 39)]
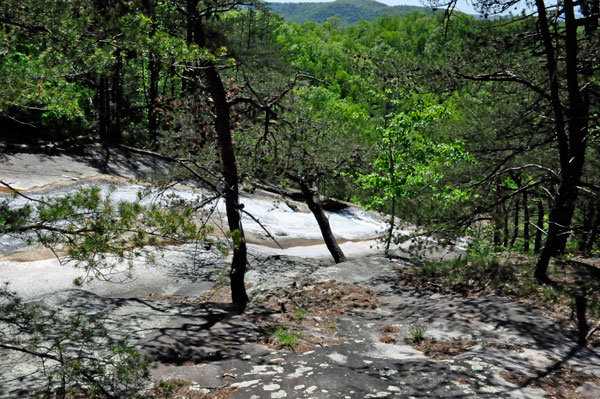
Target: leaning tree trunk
[(559, 221), (571, 126), (312, 200), (230, 174)]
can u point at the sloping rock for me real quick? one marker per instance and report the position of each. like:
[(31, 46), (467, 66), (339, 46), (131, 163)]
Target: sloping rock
[(213, 347)]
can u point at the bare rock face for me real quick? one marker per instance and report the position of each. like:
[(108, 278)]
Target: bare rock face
[(312, 329), (339, 353)]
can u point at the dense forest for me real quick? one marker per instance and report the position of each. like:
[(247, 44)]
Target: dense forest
[(349, 12), (482, 129)]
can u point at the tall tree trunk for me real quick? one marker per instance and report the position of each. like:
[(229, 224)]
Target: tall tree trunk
[(191, 21), (115, 135), (526, 236), (230, 174), (571, 142), (103, 117), (582, 324), (537, 244), (222, 109), (102, 111), (392, 173), (391, 230), (505, 226), (591, 239), (589, 217), (497, 221), (559, 221), (152, 100), (154, 69), (516, 224), (312, 200)]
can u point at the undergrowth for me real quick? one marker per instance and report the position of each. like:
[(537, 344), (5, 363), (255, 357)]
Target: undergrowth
[(510, 275)]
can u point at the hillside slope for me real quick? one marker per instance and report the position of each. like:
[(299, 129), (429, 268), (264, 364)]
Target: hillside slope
[(348, 11)]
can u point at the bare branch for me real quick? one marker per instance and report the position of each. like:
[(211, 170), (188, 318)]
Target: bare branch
[(179, 161), (505, 76), (263, 227), (20, 194)]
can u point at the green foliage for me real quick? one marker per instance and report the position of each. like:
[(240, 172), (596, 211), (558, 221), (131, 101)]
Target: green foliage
[(417, 332), (98, 234), (301, 313), (347, 12), (286, 338), (332, 324), (510, 275), (452, 270), (407, 159), (500, 274), (481, 246), (169, 387), (74, 349), (221, 279)]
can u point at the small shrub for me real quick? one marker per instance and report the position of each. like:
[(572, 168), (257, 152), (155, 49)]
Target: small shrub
[(417, 332), (169, 386), (550, 294), (528, 288), (482, 249), (301, 313), (286, 338), (221, 279)]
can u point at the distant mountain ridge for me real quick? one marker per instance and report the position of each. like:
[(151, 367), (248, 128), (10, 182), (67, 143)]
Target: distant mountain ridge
[(348, 11)]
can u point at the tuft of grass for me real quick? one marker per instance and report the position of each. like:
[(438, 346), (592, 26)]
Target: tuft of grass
[(169, 386), (286, 338), (301, 313), (417, 332)]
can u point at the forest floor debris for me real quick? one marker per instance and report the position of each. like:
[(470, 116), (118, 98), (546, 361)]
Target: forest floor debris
[(180, 389), (439, 350), (511, 277), (560, 383)]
